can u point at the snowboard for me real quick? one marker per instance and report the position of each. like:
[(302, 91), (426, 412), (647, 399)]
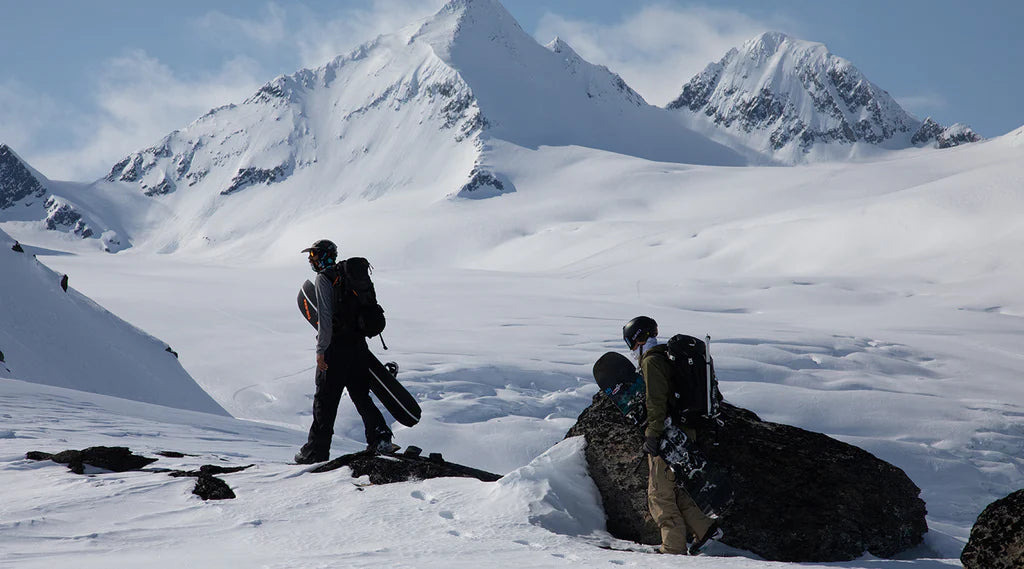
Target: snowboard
[(708, 484), (383, 377)]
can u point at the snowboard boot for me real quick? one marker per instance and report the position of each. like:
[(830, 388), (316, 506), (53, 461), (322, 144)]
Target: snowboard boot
[(714, 533), (383, 446), (309, 459)]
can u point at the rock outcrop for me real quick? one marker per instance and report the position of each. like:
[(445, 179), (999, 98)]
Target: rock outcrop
[(112, 459), (121, 459), (798, 496), (409, 465), (997, 539)]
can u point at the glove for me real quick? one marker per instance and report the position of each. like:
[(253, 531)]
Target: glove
[(652, 446)]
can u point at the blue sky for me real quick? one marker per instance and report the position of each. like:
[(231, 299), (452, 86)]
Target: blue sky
[(84, 83)]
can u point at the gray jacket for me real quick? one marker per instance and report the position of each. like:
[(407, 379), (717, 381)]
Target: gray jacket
[(325, 312)]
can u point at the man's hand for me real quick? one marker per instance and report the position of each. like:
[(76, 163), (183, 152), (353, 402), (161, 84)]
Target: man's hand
[(321, 362), (652, 446)]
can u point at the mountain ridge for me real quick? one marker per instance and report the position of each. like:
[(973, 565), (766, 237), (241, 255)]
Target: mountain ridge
[(795, 101), (417, 112)]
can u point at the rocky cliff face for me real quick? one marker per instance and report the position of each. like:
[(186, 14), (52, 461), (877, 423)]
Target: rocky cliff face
[(17, 182), (797, 495), (795, 101)]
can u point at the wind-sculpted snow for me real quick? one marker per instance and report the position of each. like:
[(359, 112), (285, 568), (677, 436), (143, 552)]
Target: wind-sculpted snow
[(794, 101)]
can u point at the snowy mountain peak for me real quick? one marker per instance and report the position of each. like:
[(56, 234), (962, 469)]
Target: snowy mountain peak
[(794, 100), (416, 112), (558, 45), (18, 181)]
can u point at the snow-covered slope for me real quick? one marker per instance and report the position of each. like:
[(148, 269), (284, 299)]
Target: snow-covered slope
[(415, 112), (28, 196), (57, 337), (884, 311), (794, 101)]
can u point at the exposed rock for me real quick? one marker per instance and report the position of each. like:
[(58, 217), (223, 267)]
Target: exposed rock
[(956, 135), (929, 131), (121, 459), (64, 283), (997, 539), (171, 454), (60, 213), (208, 486), (114, 459), (798, 495), (484, 184), (212, 488), (246, 177), (17, 248), (16, 181), (409, 465)]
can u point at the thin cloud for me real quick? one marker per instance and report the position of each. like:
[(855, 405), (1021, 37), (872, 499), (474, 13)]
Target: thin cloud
[(659, 48), (923, 104), (137, 99), (324, 38), (23, 114), (269, 28)]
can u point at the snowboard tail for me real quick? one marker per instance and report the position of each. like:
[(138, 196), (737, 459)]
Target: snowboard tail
[(383, 383)]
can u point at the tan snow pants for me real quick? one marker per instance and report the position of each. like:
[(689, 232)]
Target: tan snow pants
[(672, 508)]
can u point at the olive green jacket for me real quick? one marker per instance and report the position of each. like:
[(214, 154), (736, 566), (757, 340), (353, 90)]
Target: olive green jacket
[(657, 371)]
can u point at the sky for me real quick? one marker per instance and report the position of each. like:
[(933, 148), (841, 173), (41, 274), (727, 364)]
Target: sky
[(94, 81)]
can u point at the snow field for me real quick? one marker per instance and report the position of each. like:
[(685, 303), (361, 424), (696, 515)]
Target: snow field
[(497, 309)]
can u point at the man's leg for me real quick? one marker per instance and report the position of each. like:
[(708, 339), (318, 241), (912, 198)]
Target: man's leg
[(661, 499), (696, 521), (357, 379), (325, 410)]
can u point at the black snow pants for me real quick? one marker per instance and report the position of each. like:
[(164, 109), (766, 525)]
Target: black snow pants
[(347, 367)]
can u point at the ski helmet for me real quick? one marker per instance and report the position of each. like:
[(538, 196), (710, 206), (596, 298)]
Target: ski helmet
[(638, 330), (323, 254)]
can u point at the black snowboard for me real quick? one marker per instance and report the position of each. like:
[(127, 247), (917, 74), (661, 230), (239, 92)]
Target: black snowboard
[(384, 383), (706, 483)]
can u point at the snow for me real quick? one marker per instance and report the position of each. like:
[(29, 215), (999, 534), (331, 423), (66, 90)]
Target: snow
[(875, 301), (62, 338), (765, 97)]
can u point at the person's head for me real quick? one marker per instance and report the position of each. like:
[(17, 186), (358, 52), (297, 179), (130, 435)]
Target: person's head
[(637, 331), (323, 254)]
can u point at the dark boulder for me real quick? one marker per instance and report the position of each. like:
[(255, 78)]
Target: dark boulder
[(113, 459), (409, 465), (210, 487), (798, 496), (997, 539)]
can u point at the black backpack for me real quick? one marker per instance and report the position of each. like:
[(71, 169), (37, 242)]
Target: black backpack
[(355, 301), (696, 400)]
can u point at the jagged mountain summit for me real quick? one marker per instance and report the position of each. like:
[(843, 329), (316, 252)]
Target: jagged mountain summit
[(27, 195), (416, 112), (794, 101)]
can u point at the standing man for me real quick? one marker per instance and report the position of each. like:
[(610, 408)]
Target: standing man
[(342, 360), (671, 506)]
